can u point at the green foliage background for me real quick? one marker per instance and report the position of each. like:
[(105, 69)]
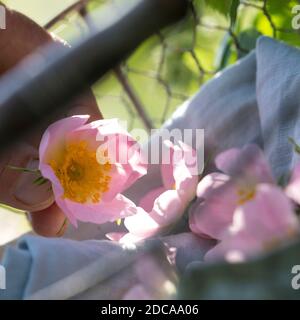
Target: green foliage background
[(193, 52)]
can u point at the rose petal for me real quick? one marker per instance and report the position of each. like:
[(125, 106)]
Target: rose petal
[(184, 172), (166, 167), (210, 183), (248, 161), (148, 200), (115, 236), (270, 213), (211, 217), (119, 207), (167, 209), (53, 140)]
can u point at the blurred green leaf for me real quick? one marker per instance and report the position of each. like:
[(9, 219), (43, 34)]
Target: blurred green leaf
[(40, 181), (35, 171), (295, 144), (224, 52), (247, 40), (222, 6)]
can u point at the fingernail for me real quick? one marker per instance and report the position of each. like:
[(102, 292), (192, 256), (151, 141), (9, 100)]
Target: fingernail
[(62, 229)]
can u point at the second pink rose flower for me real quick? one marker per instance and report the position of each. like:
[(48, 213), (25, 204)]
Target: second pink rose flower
[(243, 208)]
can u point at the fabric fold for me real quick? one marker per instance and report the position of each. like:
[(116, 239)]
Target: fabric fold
[(278, 96)]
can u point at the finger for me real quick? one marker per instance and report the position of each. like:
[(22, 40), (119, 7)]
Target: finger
[(18, 189), (20, 38), (86, 103), (50, 222)]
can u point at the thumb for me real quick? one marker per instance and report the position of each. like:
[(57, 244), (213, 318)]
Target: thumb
[(18, 189), (50, 222)]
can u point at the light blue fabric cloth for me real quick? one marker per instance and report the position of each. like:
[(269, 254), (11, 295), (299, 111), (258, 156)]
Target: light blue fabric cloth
[(256, 100), (40, 268), (37, 262), (278, 96)]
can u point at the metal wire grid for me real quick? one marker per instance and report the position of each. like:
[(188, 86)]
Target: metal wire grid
[(141, 113)]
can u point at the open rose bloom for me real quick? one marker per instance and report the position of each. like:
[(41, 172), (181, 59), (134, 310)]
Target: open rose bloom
[(242, 208), (81, 160)]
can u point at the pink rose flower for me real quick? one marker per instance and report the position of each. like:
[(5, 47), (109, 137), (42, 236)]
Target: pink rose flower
[(221, 193), (85, 171), (259, 225), (242, 207), (162, 207)]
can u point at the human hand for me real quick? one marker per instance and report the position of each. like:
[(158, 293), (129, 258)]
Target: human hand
[(21, 37)]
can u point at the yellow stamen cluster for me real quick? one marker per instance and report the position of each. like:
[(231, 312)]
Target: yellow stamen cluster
[(245, 194), (82, 177)]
